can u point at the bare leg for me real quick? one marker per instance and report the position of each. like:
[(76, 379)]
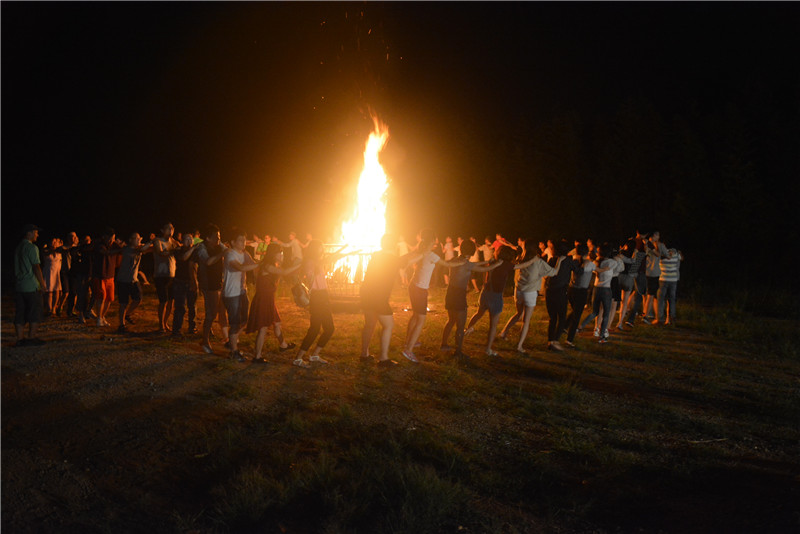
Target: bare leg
[(493, 320), (514, 318), (387, 322), (167, 311), (412, 325), (461, 320), (451, 322), (526, 323), (370, 321), (262, 334), (420, 322), (279, 334), (477, 317)]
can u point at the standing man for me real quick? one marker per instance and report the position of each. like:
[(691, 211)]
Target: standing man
[(127, 280), (210, 274), (104, 267), (184, 286), (28, 283), (234, 293), (164, 273), (294, 245)]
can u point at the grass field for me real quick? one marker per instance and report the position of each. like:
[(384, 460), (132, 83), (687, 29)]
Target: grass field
[(693, 428)]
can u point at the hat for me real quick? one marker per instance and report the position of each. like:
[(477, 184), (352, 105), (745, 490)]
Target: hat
[(30, 228)]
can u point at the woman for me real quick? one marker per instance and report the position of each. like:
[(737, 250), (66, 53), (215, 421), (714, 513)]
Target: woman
[(314, 269), (556, 292), (606, 266), (376, 289), (531, 269), (456, 297), (418, 290), (263, 312), (491, 298)]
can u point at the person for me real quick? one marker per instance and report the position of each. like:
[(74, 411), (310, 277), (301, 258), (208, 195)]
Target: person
[(639, 270), (655, 249), (456, 296), (51, 271), (294, 246), (418, 290), (627, 280), (234, 293), (314, 265), (556, 293), (486, 249), (263, 312), (105, 259), (375, 292), (184, 286), (164, 273), (402, 250), (209, 258), (668, 286), (475, 258), (67, 250), (528, 281), (500, 241), (127, 279), (606, 267), (491, 297), (620, 261), (28, 286), (449, 253), (578, 291), (82, 275)]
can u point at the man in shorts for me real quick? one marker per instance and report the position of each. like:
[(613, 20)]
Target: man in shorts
[(28, 284), (164, 273), (655, 250), (104, 265), (127, 280)]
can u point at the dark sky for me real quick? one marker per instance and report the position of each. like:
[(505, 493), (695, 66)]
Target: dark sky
[(255, 114)]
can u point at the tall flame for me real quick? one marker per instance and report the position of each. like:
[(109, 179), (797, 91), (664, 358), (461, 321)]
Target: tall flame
[(368, 223)]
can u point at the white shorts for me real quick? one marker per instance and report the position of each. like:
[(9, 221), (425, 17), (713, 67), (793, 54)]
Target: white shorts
[(526, 297)]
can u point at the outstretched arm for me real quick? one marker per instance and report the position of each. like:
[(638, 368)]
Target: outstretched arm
[(488, 267)]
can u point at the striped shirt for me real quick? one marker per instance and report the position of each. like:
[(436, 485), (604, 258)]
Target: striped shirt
[(670, 267)]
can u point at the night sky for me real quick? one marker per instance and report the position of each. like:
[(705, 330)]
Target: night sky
[(503, 116)]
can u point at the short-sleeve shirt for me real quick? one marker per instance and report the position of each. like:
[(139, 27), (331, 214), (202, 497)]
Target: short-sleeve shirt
[(104, 265), (164, 266), (381, 276), (209, 276), (129, 266), (25, 257), (424, 270), (234, 280), (582, 281)]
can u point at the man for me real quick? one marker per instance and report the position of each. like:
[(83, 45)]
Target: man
[(294, 245), (104, 265), (234, 293), (28, 284), (184, 287), (164, 273), (655, 250), (127, 280), (210, 273)]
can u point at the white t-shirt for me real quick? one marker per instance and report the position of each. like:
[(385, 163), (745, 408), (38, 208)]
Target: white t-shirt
[(234, 285), (422, 276), (604, 279)]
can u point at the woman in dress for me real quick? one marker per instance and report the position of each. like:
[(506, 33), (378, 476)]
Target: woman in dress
[(263, 312)]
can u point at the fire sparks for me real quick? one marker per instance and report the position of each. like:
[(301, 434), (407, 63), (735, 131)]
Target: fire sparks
[(367, 225)]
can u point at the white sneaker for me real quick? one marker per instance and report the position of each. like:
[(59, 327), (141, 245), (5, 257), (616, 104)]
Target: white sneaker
[(300, 363), (596, 332), (317, 359)]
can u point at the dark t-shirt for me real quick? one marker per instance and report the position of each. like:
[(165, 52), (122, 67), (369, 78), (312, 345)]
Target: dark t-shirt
[(209, 276), (382, 272), (104, 266), (496, 278), (182, 267), (562, 278)]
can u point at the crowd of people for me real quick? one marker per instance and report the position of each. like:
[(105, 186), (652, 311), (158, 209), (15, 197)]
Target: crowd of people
[(80, 278)]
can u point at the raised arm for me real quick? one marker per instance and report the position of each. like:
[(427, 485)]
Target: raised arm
[(528, 263), (452, 263), (487, 267)]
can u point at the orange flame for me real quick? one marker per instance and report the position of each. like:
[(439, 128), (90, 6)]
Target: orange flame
[(368, 223)]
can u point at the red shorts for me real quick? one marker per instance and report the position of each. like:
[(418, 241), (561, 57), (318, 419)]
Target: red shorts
[(103, 289)]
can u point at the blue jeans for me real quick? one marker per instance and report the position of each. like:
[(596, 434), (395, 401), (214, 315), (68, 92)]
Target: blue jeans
[(602, 297), (181, 292), (667, 294)]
